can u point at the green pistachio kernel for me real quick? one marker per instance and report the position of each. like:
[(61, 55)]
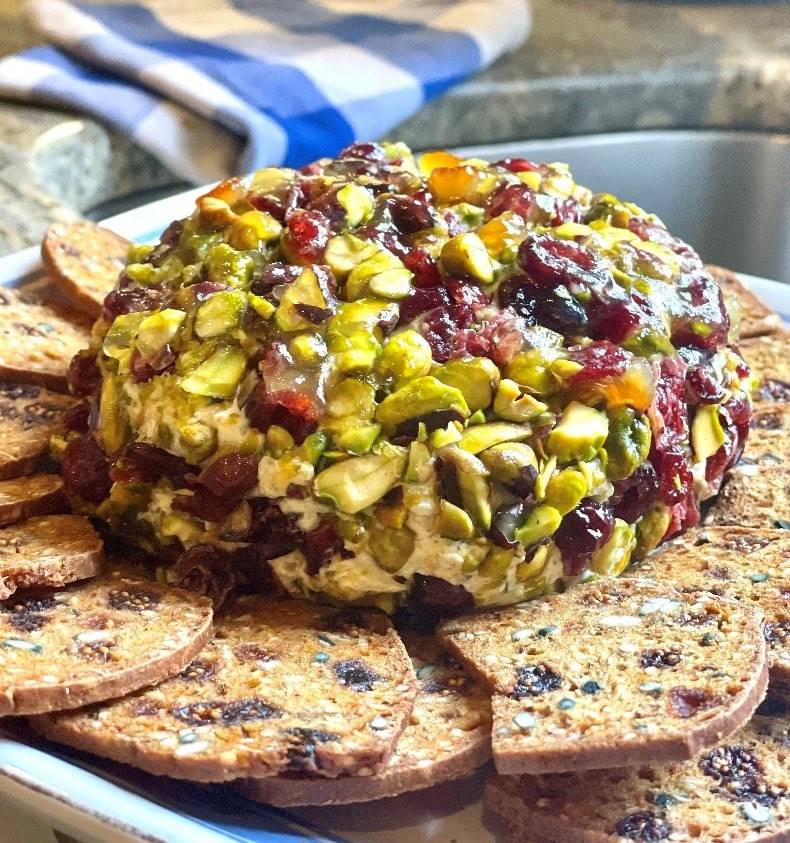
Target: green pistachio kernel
[(530, 369), (496, 564), (352, 435), (382, 274), (219, 375), (454, 522), (613, 558), (345, 251), (142, 273), (511, 404), (122, 333), (309, 349), (351, 397), (541, 522), (475, 377), (405, 355), (471, 478), (391, 548), (481, 437), (445, 436), (313, 446), (311, 289), (418, 398), (269, 179), (419, 466), (265, 309), (252, 228), (113, 426), (466, 255), (357, 202), (579, 433), (650, 529), (278, 440), (354, 353), (707, 433), (220, 314), (565, 490), (358, 482), (627, 444), (508, 462), (227, 266)]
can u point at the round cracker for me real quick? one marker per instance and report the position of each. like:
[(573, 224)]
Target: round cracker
[(24, 497), (448, 737), (49, 551), (612, 673), (285, 685), (84, 261), (95, 640)]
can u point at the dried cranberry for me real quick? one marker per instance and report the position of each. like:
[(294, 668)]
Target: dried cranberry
[(77, 418), (615, 321), (501, 339), (566, 210), (86, 470), (674, 471), (207, 570), (703, 321), (599, 360), (507, 519), (355, 674), (83, 375), (520, 295), (304, 754), (366, 150), (292, 410), (205, 289), (203, 504), (659, 658), (558, 310), (634, 496), (408, 214), (142, 370), (385, 234), (702, 386), (305, 237), (232, 475), (440, 595), (271, 275), (643, 826), (517, 198), (224, 713), (319, 545), (131, 300), (532, 680), (551, 262), (143, 463), (583, 531), (517, 165), (279, 202), (425, 268), (686, 702)]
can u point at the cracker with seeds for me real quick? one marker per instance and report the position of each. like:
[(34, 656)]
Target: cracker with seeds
[(84, 261), (768, 442), (29, 415), (756, 318), (24, 497), (749, 565), (737, 791), (448, 737), (92, 641), (753, 496), (36, 345), (286, 685), (613, 672), (769, 361), (49, 551)]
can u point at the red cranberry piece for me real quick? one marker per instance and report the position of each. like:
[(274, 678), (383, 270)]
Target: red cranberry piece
[(205, 289), (550, 261), (232, 475), (503, 337), (561, 312), (409, 214), (306, 236), (204, 505), (143, 370), (319, 545), (517, 165), (517, 198), (467, 295), (265, 278), (140, 462), (702, 386), (566, 210), (425, 268), (633, 496), (421, 301), (583, 531), (86, 470), (83, 376), (704, 322), (292, 410), (614, 321), (131, 300), (518, 294), (675, 478), (599, 360), (77, 418), (279, 202), (385, 234), (364, 149)]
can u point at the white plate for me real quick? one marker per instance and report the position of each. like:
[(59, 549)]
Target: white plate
[(46, 793)]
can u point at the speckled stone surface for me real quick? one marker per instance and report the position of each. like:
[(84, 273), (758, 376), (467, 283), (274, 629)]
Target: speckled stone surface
[(589, 66)]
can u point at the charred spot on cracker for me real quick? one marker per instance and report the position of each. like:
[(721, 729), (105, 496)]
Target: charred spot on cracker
[(355, 674)]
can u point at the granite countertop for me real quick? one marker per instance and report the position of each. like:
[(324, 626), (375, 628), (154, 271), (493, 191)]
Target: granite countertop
[(589, 66)]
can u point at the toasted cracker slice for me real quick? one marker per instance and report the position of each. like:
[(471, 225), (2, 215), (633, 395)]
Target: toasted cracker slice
[(48, 551), (448, 737), (95, 640), (29, 415), (753, 496), (84, 261), (748, 565), (36, 345), (738, 791), (770, 363), (768, 442), (285, 685), (613, 672), (756, 318), (24, 497)]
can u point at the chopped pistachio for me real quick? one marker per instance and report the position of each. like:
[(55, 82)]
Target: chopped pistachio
[(405, 355), (466, 255), (220, 314)]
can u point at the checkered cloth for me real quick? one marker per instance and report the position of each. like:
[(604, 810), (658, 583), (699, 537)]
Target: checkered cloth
[(214, 87)]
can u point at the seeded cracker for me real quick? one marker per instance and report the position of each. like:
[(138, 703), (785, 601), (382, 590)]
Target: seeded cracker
[(95, 640), (286, 685), (29, 415), (613, 672), (448, 737), (753, 496), (748, 565), (36, 345), (769, 361), (23, 497), (736, 792), (84, 261), (48, 551), (756, 318)]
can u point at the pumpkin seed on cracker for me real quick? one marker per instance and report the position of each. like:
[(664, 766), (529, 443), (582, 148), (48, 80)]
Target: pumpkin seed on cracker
[(49, 551), (29, 415), (613, 673), (84, 261), (749, 565), (285, 686), (23, 497), (36, 345), (91, 641), (448, 737)]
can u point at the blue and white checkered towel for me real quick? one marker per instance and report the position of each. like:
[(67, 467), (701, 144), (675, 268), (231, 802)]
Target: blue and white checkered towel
[(214, 87)]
